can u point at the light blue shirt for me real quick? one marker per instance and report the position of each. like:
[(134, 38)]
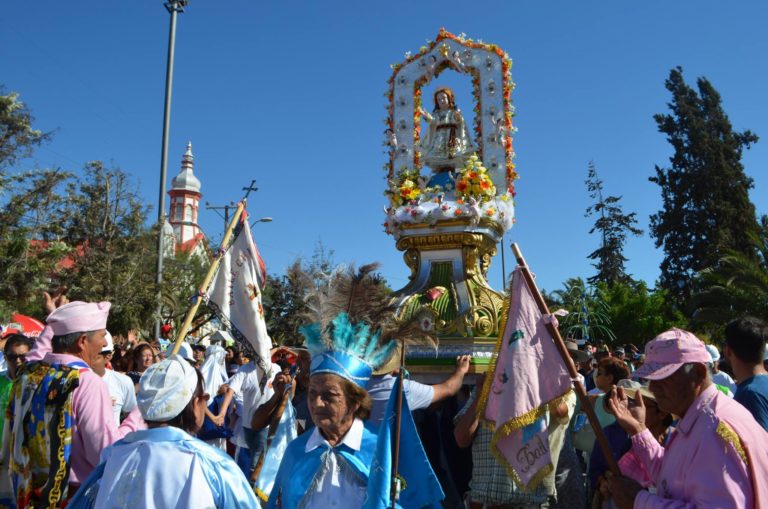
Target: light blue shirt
[(164, 468)]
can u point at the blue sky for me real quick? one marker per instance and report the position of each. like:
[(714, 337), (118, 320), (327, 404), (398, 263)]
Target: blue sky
[(290, 94)]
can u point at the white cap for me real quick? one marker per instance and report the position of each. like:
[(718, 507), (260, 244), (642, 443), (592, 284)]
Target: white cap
[(110, 346), (712, 350), (185, 350), (166, 388)]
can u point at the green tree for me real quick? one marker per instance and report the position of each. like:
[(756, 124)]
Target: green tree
[(30, 247), (183, 274), (284, 306), (285, 309), (18, 138), (734, 287), (614, 226), (104, 222), (706, 210), (638, 314)]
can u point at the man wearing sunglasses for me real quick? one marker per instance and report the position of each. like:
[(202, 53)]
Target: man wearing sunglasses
[(15, 351)]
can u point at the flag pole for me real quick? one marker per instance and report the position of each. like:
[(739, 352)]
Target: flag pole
[(274, 423), (207, 280), (398, 420), (560, 344)]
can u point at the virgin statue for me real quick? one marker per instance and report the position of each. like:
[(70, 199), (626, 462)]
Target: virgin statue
[(446, 145)]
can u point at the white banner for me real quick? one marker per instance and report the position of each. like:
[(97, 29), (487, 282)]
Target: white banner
[(235, 293)]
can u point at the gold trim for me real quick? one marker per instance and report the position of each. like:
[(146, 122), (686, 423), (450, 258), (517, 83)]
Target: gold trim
[(729, 436), (520, 421), (263, 496), (448, 240), (446, 223)]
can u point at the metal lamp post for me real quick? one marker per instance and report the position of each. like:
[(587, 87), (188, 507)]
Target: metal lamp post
[(174, 7)]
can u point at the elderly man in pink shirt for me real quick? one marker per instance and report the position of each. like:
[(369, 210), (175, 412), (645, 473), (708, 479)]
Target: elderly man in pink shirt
[(718, 455), (74, 404)]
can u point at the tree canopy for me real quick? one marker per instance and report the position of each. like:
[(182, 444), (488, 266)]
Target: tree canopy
[(706, 211)]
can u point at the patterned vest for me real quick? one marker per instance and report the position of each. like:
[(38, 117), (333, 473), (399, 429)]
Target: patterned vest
[(40, 418)]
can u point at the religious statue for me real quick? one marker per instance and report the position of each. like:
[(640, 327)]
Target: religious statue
[(446, 145)]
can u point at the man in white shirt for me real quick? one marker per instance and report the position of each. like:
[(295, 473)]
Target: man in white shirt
[(244, 387), (121, 388), (382, 383)]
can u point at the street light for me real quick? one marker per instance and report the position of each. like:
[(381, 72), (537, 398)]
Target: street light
[(262, 220), (174, 7)]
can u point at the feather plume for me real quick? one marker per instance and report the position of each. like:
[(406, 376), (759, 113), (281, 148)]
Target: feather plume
[(370, 323)]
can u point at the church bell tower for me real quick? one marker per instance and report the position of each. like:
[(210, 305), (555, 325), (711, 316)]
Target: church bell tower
[(185, 202)]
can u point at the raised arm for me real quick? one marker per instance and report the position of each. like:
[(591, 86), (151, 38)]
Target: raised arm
[(263, 415), (452, 385)]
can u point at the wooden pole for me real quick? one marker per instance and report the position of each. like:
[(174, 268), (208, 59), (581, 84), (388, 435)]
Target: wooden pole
[(560, 344), (207, 280), (393, 489)]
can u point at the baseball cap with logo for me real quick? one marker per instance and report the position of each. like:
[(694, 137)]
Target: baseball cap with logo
[(668, 351)]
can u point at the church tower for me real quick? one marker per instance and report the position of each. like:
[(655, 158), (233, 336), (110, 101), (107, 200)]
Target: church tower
[(185, 204)]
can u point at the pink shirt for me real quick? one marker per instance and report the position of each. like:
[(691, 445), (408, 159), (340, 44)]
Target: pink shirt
[(94, 425), (701, 469)]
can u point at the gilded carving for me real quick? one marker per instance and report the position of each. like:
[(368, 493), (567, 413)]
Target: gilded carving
[(485, 304), (412, 260)]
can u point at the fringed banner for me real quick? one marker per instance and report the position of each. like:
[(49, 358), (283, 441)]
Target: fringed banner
[(527, 373)]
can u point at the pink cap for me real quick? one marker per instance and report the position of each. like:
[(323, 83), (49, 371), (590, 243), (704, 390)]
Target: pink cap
[(668, 351), (78, 316)]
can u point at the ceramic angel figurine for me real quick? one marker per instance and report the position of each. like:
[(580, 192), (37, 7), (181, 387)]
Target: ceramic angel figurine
[(447, 144)]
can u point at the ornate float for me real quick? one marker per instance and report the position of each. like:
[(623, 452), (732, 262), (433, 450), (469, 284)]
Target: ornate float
[(451, 195)]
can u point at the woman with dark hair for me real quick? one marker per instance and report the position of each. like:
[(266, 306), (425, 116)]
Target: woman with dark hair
[(142, 357), (165, 466)]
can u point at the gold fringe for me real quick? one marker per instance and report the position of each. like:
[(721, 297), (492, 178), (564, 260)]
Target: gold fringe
[(261, 494), (729, 436), (517, 422), (535, 480)]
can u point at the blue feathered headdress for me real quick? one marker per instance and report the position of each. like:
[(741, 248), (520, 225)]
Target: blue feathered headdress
[(353, 327)]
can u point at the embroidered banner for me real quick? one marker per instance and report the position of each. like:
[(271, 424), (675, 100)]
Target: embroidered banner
[(235, 294), (526, 374)]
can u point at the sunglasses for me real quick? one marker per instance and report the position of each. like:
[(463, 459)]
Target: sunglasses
[(14, 357)]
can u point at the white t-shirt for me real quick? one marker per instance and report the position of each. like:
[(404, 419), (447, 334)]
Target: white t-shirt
[(381, 386), (121, 391), (245, 384)]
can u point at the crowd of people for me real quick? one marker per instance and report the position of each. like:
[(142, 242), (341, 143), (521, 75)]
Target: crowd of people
[(96, 421)]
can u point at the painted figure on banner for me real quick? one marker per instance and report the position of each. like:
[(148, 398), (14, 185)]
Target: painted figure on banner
[(447, 144)]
